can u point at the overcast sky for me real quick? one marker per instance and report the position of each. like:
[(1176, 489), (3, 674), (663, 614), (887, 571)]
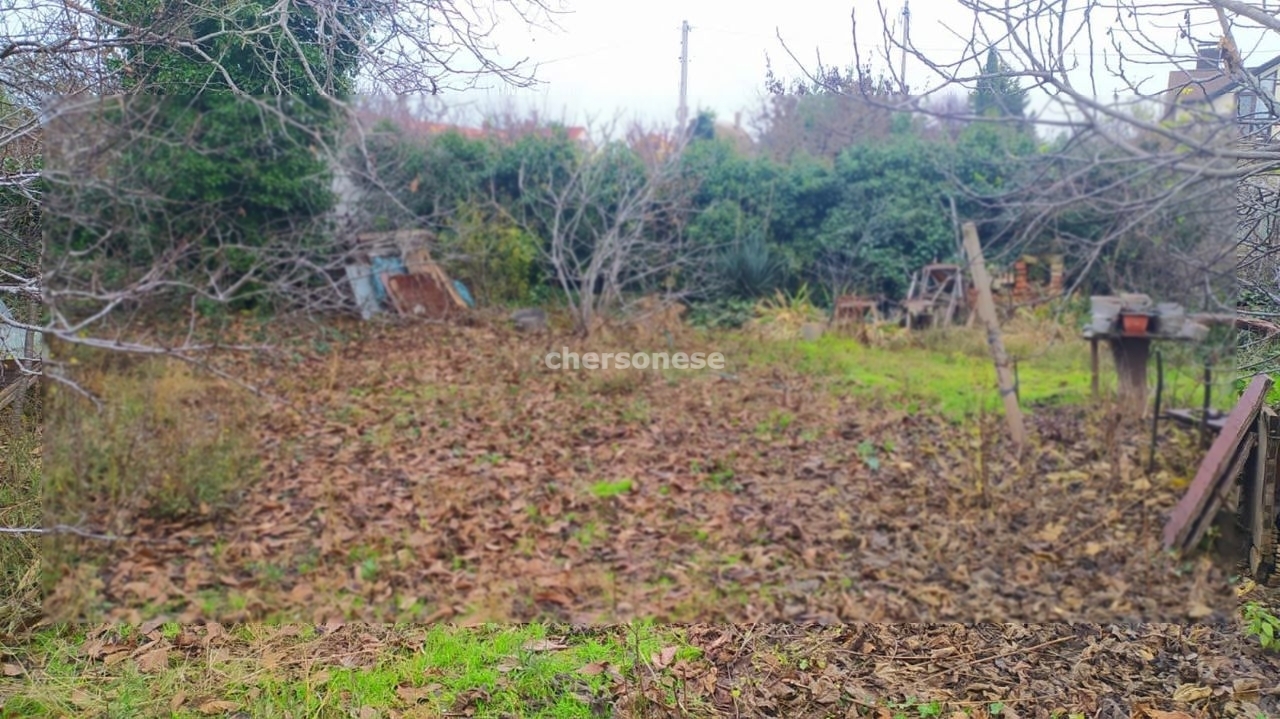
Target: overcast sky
[(609, 56)]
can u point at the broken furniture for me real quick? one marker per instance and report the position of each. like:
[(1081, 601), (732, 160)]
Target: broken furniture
[(935, 295), (394, 270), (852, 310), (1244, 457)]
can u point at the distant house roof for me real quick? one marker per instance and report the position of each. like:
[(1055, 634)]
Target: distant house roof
[(1207, 82)]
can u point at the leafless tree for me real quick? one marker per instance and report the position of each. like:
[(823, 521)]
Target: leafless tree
[(91, 245), (614, 220)]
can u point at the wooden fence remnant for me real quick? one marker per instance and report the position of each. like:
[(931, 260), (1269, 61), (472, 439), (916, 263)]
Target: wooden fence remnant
[(987, 311), (1244, 452)]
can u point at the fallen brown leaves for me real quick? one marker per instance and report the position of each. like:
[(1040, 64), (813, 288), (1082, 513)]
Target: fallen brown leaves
[(1141, 671), (1029, 670), (427, 472)]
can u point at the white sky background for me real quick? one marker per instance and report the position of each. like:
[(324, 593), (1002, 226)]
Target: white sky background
[(610, 57)]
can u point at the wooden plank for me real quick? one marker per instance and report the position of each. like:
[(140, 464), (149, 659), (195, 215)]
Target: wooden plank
[(1262, 501), (1205, 519), (987, 310), (395, 238), (1180, 530), (14, 391), (447, 285), (1130, 356)]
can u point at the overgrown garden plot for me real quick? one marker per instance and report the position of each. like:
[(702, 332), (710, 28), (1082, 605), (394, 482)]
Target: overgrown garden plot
[(428, 473)]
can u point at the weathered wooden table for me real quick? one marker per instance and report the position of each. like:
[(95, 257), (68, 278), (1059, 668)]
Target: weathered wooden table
[(1130, 353)]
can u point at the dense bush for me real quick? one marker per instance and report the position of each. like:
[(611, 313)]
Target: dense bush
[(494, 257), (861, 219)]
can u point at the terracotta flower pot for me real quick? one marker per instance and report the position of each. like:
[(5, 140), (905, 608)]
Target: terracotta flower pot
[(1135, 324)]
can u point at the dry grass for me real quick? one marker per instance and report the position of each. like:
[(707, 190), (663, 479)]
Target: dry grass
[(20, 452), (166, 443)]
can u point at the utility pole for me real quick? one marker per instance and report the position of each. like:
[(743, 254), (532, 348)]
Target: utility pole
[(906, 37), (683, 112)]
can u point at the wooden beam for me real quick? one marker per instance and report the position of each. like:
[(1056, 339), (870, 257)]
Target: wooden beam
[(987, 311)]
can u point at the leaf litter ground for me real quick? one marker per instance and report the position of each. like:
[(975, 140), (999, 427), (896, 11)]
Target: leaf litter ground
[(428, 473)]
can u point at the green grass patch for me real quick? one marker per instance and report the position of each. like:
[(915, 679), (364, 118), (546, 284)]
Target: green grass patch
[(950, 370), (606, 489), (20, 467), (490, 671)]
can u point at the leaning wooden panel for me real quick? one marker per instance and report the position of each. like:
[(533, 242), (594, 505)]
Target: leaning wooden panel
[(14, 390), (1186, 526)]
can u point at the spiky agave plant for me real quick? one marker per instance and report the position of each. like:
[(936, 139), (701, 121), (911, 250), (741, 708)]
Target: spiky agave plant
[(749, 268)]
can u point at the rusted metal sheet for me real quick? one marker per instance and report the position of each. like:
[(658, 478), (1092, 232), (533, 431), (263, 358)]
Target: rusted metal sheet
[(420, 294), (1194, 512)]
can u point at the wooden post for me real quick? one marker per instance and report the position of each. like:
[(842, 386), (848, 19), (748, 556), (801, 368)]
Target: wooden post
[(1131, 355), (987, 311), (1155, 416), (1204, 413), (1093, 365), (1262, 501)]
